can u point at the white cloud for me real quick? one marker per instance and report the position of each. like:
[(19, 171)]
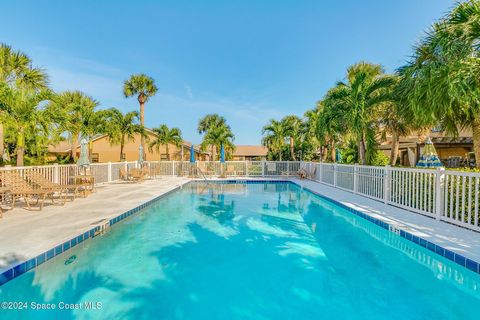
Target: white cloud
[(189, 91), (104, 83)]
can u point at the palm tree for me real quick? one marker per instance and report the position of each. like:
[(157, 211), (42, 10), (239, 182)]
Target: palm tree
[(397, 118), (165, 136), (358, 101), (330, 127), (219, 136), (22, 112), (16, 71), (291, 129), (311, 120), (144, 88), (207, 123), (78, 116), (274, 137), (442, 83), (121, 128)]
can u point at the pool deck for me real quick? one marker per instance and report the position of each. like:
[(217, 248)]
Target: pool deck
[(448, 236), (24, 234)]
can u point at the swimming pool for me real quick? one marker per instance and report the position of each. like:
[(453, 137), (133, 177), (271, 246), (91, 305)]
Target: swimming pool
[(263, 250)]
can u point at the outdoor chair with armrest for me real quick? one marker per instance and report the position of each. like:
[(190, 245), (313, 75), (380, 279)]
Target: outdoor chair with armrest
[(21, 189), (41, 182), (136, 175), (3, 192), (232, 171)]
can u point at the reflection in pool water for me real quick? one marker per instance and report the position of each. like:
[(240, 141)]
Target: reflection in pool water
[(248, 251)]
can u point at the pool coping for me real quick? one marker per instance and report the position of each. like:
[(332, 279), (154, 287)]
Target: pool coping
[(20, 268), (398, 229), (25, 266)]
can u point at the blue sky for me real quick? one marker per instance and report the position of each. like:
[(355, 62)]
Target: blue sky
[(249, 61)]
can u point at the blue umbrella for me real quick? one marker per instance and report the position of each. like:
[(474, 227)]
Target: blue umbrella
[(222, 154), (429, 157), (192, 154)]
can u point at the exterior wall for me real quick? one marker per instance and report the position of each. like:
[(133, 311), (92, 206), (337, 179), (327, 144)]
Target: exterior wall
[(103, 151), (453, 151), (248, 158)]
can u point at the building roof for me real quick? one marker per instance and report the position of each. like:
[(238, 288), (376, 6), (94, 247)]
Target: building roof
[(249, 150), (61, 147), (64, 146)]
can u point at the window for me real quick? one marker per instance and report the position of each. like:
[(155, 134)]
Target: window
[(95, 158)]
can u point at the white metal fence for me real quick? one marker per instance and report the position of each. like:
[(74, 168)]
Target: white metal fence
[(451, 196), (64, 174)]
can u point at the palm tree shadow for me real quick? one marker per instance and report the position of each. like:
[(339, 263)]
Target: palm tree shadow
[(231, 272)]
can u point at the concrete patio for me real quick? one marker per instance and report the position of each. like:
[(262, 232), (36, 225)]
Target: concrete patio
[(24, 234)]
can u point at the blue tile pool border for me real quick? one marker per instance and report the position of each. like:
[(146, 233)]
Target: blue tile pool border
[(22, 267), (448, 254), (30, 264)]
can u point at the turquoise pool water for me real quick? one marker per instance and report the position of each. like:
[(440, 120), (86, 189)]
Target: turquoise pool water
[(246, 251)]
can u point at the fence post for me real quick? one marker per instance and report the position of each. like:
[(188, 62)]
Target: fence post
[(173, 168), (136, 164), (263, 168), (335, 175), (320, 173), (355, 178), (56, 175), (126, 166), (386, 183), (439, 192), (288, 168), (109, 172)]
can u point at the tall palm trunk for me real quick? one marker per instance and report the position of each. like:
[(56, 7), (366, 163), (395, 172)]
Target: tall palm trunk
[(142, 119), (361, 151), (332, 151), (476, 140), (394, 149), (213, 156), (2, 145), (292, 149), (73, 148), (122, 146), (20, 148)]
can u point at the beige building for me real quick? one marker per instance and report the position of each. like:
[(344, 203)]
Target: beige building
[(452, 151), (241, 153), (247, 152), (104, 151)]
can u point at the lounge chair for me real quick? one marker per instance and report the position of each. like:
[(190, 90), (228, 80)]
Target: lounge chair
[(146, 172), (41, 182), (3, 192), (312, 173), (232, 171), (271, 167), (203, 168), (123, 174), (136, 175), (21, 189)]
